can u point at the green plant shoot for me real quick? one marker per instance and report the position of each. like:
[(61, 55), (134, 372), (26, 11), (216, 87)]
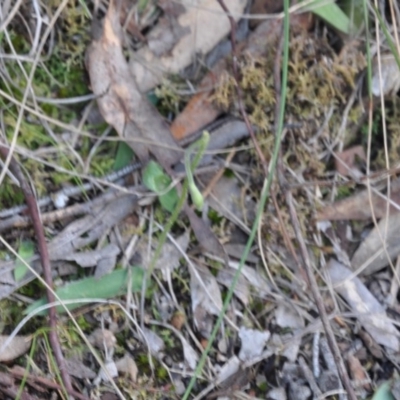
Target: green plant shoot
[(201, 146)]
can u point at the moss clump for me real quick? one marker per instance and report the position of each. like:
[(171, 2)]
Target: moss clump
[(318, 80)]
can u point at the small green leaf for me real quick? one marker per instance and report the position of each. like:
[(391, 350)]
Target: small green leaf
[(155, 179), (161, 182), (106, 287), (123, 157), (200, 145), (169, 200), (383, 392), (26, 251), (332, 14), (152, 175), (152, 98)]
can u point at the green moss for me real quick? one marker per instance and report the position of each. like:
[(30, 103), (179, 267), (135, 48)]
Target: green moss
[(10, 312), (10, 195), (33, 290), (142, 361), (214, 217), (167, 98), (375, 129), (343, 192), (168, 338)]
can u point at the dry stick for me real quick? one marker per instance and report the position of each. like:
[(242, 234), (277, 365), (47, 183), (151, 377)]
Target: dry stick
[(238, 88), (302, 246), (31, 380), (19, 221), (12, 392), (286, 238), (8, 388), (44, 256)]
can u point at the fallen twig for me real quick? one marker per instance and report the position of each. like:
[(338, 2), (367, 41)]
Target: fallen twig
[(64, 194), (44, 256), (8, 388), (32, 379), (19, 221)]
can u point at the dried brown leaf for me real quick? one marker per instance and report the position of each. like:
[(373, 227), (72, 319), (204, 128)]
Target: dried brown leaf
[(206, 237), (103, 338), (155, 343), (86, 230), (178, 320), (367, 309), (171, 8), (128, 366), (76, 368), (228, 199), (358, 374), (358, 206), (385, 75), (200, 110), (253, 342), (170, 255), (346, 161), (127, 19), (206, 299), (119, 100), (18, 346), (371, 344), (168, 32), (206, 25), (287, 317), (266, 7), (91, 258), (229, 369), (242, 289), (382, 242)]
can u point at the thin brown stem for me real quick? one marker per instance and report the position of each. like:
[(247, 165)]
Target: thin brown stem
[(32, 379), (44, 256)]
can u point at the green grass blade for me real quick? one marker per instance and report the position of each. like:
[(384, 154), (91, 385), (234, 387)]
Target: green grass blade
[(332, 14), (108, 286), (388, 37)]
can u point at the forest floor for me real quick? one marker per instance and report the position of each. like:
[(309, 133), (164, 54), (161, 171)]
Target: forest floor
[(208, 199)]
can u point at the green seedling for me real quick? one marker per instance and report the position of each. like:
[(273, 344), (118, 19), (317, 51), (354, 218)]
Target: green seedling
[(201, 146)]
